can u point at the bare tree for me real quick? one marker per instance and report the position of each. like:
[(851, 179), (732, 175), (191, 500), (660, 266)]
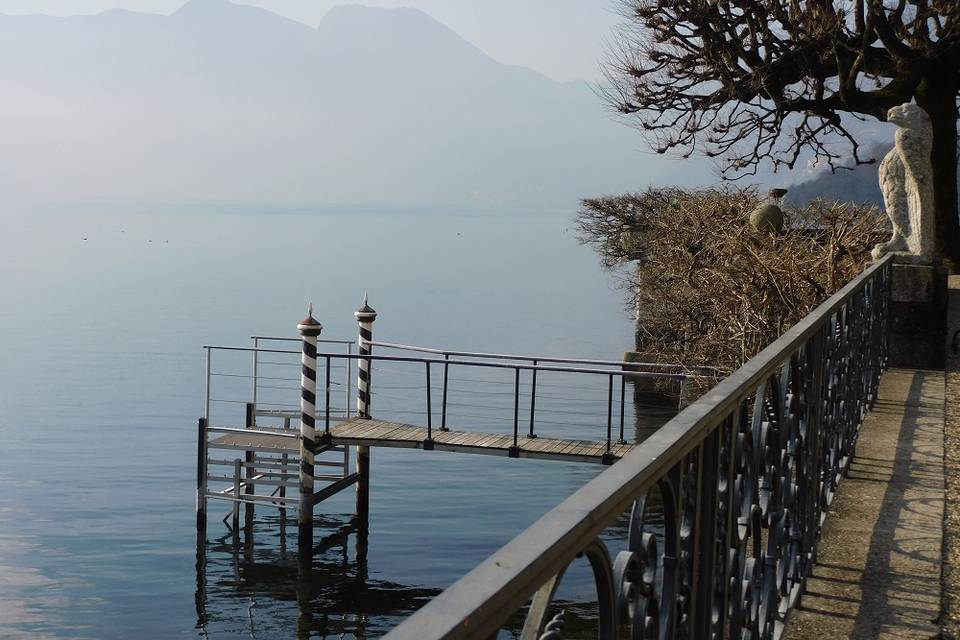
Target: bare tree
[(750, 81)]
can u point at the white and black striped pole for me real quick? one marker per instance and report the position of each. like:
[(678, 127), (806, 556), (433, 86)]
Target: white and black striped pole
[(309, 329), (365, 317)]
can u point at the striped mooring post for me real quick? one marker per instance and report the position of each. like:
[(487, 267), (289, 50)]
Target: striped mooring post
[(365, 318), (309, 329)]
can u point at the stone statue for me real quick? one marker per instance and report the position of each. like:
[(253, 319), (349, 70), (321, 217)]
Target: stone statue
[(768, 217), (906, 180)]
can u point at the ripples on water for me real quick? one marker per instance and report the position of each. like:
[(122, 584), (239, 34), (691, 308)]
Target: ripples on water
[(102, 381)]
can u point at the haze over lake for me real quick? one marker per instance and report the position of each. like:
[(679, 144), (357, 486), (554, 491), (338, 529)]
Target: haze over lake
[(101, 329), (170, 182)]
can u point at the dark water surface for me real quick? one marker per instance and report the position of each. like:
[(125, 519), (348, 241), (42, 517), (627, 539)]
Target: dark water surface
[(102, 372)]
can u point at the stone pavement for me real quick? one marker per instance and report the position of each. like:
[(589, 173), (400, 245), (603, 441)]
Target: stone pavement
[(950, 621), (878, 570)]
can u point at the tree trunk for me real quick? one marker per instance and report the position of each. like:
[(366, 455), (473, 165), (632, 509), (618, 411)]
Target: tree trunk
[(937, 95)]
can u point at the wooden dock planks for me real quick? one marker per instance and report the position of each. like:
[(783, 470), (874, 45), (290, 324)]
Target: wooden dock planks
[(378, 433)]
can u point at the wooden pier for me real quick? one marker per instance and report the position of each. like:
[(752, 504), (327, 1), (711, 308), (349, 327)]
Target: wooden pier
[(298, 455), (379, 433)]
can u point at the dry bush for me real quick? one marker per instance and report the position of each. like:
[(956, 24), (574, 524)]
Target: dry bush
[(710, 290)]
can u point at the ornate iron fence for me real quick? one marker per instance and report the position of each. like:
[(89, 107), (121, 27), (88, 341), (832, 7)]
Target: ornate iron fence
[(746, 475)]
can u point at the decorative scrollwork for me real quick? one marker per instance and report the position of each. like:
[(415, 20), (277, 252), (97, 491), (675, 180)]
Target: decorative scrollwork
[(597, 554), (554, 629), (634, 576)]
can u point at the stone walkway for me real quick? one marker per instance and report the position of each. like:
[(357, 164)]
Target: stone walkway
[(878, 571)]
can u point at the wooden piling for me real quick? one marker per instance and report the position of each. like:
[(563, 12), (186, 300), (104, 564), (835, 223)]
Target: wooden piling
[(202, 477), (309, 329), (363, 505), (363, 483), (249, 470), (365, 316)]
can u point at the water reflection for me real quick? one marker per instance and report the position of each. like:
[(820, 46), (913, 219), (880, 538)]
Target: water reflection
[(252, 582), (652, 408), (255, 575)]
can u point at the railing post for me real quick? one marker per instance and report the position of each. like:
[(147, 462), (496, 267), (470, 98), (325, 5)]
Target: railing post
[(623, 389), (607, 457), (365, 316), (514, 451), (533, 399), (326, 403), (309, 330), (428, 443), (443, 405), (207, 390), (256, 376), (346, 404)]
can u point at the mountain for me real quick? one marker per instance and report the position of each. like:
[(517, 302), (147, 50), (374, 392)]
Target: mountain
[(231, 103), (861, 184)]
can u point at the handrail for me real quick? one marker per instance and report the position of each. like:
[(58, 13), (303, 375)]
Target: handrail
[(831, 358), (506, 356), (500, 356), (471, 363), (288, 339)]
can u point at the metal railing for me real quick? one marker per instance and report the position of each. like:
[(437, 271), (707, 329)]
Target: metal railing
[(261, 401), (516, 368), (521, 391), (274, 385), (649, 367), (746, 475), (295, 414), (326, 417)]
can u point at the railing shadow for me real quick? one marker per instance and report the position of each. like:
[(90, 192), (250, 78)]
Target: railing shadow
[(886, 582), (897, 589)]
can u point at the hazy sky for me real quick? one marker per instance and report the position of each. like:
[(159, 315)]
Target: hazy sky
[(560, 38)]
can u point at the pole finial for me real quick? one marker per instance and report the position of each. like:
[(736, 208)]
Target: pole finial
[(309, 325), (365, 313)]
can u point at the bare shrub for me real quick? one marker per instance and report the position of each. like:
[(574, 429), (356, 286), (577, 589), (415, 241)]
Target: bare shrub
[(710, 290)]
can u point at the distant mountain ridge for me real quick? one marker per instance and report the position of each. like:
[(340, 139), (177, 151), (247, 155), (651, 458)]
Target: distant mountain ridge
[(860, 184), (226, 102)]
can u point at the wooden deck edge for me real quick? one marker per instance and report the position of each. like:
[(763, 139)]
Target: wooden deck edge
[(463, 448)]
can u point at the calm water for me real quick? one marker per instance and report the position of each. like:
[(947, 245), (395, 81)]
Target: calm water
[(101, 327)]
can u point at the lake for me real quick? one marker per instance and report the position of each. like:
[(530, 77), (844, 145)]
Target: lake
[(105, 313)]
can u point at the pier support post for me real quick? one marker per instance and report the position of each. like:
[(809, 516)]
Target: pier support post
[(202, 478), (309, 329), (249, 471), (365, 316), (363, 500)]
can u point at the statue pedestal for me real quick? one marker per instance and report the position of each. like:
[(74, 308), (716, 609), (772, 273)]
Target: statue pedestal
[(918, 316)]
